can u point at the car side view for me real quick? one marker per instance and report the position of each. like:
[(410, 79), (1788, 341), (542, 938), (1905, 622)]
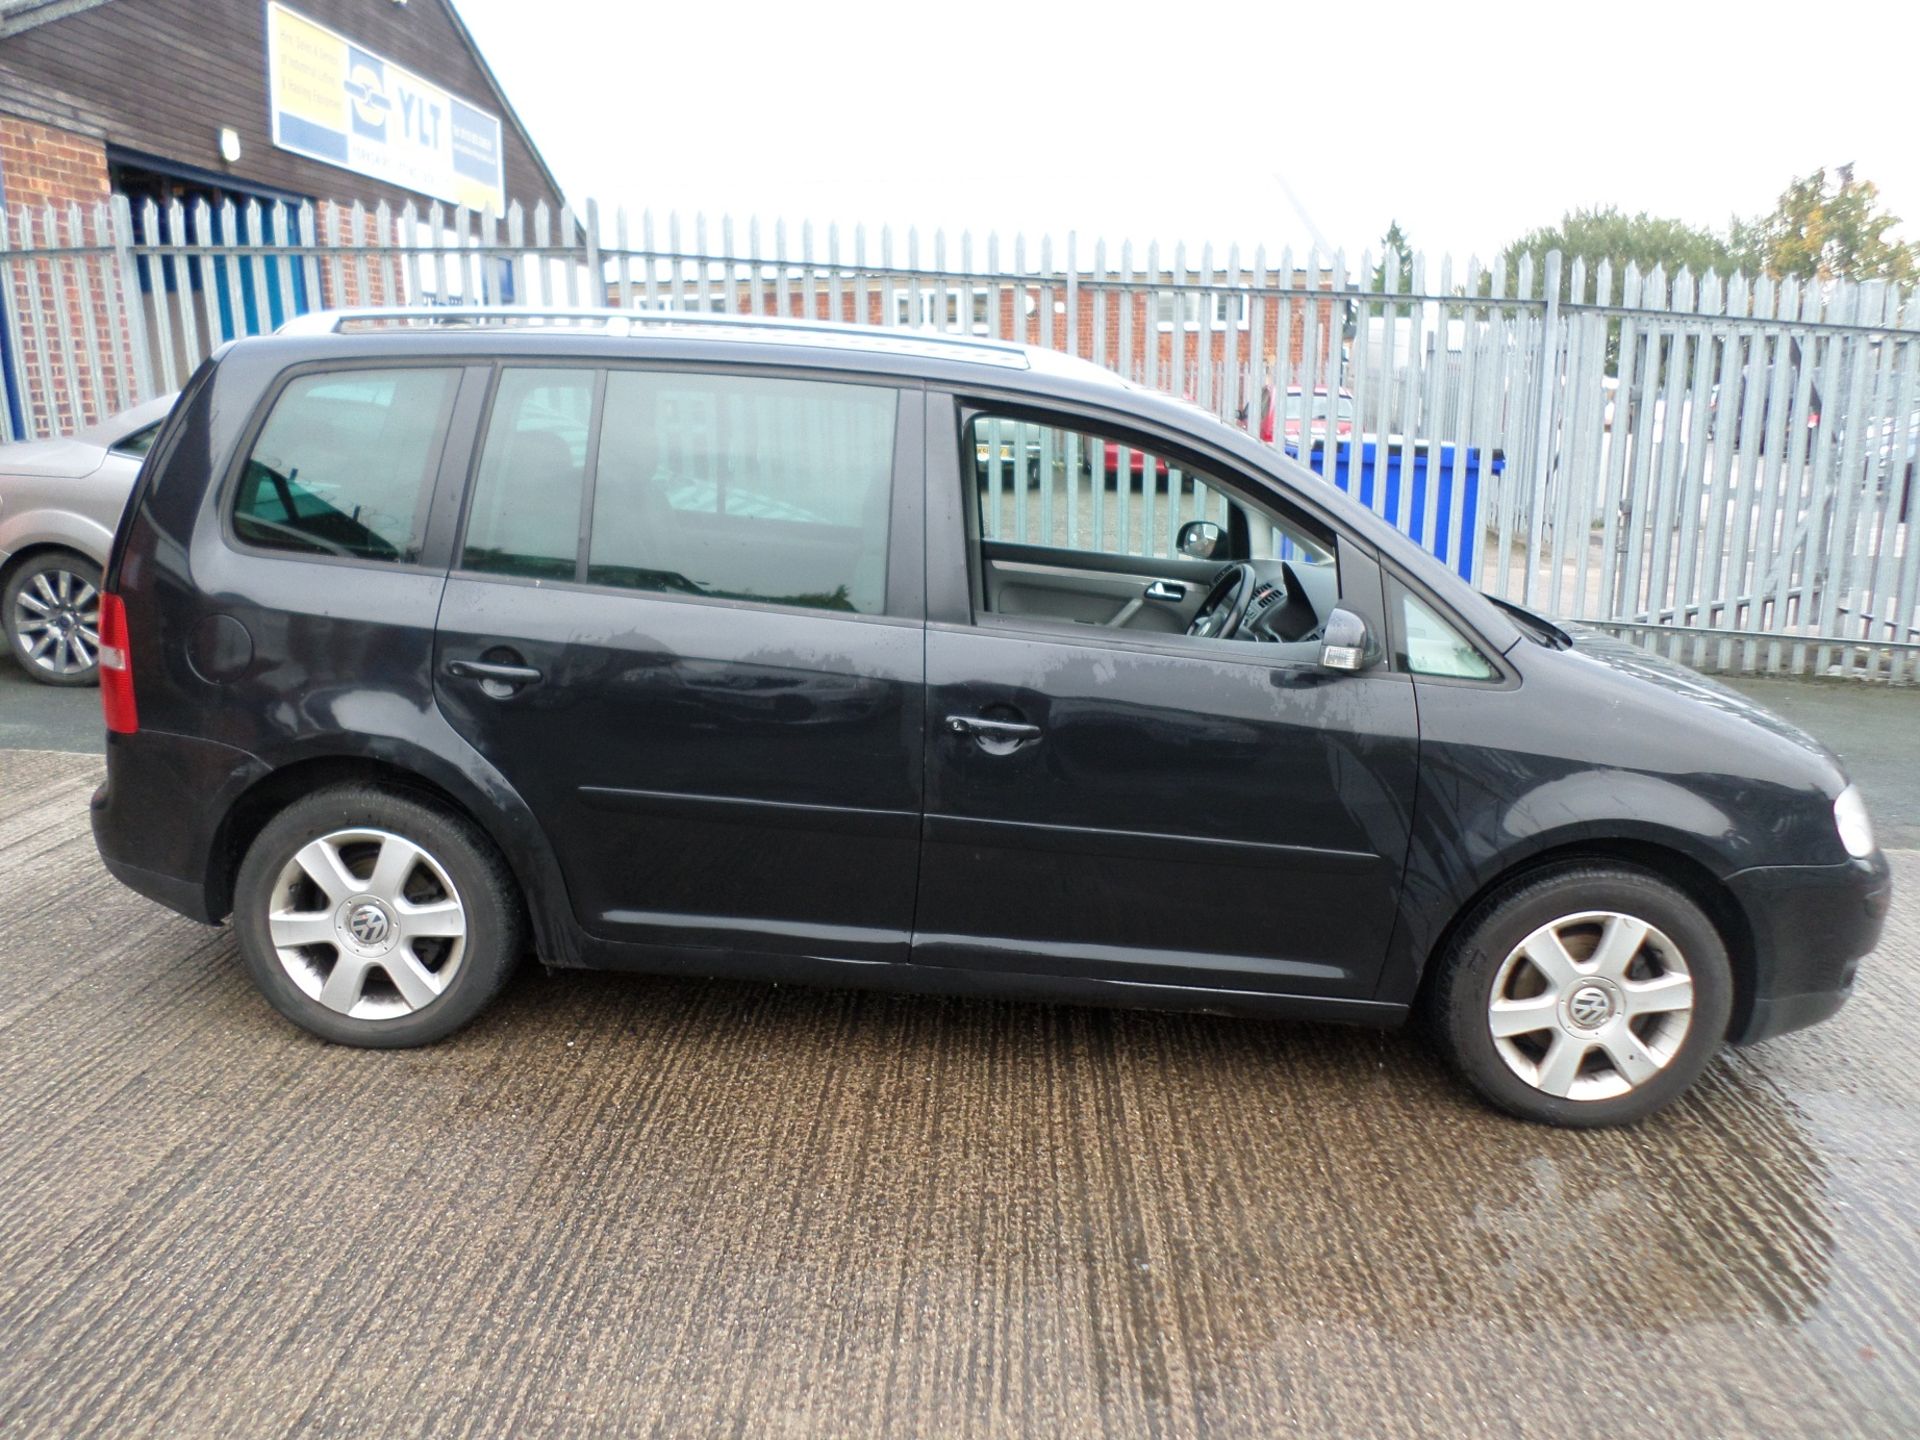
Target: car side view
[(697, 644)]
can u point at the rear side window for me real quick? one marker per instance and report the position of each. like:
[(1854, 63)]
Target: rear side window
[(745, 487), (344, 465), (526, 500), (740, 487)]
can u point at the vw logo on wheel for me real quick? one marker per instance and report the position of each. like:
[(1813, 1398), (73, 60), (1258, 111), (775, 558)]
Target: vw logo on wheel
[(1590, 1006), (368, 924)]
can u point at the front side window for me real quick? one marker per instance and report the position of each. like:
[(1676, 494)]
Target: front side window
[(1433, 647), (525, 518), (1081, 528), (344, 465), (1072, 489)]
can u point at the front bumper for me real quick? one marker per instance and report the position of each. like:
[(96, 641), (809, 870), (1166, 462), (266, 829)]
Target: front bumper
[(1810, 925)]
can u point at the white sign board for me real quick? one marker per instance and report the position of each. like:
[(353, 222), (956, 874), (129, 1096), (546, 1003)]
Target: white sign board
[(333, 101)]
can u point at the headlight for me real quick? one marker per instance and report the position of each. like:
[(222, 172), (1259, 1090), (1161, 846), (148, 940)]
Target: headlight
[(1850, 819)]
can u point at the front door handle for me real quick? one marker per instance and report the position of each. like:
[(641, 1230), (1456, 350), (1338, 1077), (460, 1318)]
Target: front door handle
[(1166, 590), (981, 728), (496, 679)]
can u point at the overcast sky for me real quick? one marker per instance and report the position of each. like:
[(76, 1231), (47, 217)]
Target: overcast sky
[(1470, 123)]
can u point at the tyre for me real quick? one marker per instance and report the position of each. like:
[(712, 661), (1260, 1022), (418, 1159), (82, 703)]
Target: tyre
[(52, 611), (1585, 995), (372, 918)]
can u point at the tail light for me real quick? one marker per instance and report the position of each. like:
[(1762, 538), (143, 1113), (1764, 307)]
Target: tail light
[(116, 668)]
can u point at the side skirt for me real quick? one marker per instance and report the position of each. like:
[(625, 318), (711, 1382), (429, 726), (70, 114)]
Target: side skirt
[(600, 954)]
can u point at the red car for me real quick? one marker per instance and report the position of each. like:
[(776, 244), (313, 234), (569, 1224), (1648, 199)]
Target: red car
[(1340, 412), (1134, 463)]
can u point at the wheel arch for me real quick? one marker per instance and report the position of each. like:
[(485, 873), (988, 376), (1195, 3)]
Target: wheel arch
[(37, 532), (10, 566), (1663, 861), (533, 869)]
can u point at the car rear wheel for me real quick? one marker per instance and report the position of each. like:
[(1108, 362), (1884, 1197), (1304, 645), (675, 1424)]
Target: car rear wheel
[(52, 609), (1586, 995), (371, 918)]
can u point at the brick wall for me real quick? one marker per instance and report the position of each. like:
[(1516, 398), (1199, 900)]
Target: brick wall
[(344, 285), (47, 166), (63, 385), (1136, 309), (1023, 319)]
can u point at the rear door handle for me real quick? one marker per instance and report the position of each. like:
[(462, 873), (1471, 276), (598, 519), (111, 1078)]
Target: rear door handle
[(983, 729), (490, 673), (1166, 590)]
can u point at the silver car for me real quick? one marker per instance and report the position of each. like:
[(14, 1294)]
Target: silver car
[(59, 503)]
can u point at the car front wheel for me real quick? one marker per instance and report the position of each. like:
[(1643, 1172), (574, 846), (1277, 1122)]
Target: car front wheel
[(372, 918), (52, 609), (1585, 995)]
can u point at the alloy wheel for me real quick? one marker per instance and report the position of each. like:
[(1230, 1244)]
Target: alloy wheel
[(56, 618), (368, 923), (1591, 1006)]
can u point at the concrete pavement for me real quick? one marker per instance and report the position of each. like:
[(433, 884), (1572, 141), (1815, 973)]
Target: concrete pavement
[(637, 1206)]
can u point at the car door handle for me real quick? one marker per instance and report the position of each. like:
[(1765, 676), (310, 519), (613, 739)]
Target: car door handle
[(487, 671), (1166, 590), (983, 729)]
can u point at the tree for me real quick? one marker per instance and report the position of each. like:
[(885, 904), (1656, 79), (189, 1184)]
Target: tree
[(1827, 230), (1395, 242), (1596, 235)]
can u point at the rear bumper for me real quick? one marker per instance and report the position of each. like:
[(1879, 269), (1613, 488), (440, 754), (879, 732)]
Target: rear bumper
[(156, 820), (184, 896), (1811, 925)]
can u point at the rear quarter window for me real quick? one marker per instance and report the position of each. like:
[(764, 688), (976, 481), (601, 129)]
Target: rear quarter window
[(139, 442), (344, 465)]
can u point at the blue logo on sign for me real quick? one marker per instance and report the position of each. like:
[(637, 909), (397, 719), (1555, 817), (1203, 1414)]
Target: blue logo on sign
[(367, 92)]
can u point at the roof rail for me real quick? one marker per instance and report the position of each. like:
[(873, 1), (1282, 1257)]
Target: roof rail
[(625, 322), (331, 322)]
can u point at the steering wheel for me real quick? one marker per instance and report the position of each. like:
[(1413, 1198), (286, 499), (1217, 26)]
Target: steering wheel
[(1220, 614)]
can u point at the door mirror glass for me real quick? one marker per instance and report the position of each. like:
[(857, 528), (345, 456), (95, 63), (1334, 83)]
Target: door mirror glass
[(1345, 645), (1202, 540)]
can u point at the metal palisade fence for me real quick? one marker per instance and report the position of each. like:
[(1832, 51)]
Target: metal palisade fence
[(1718, 466)]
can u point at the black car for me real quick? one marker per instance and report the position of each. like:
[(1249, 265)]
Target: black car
[(674, 643)]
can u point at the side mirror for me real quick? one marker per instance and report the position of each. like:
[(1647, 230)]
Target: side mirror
[(1201, 540), (1345, 645)]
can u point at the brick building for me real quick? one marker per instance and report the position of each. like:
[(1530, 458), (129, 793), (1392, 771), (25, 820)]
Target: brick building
[(1117, 323), (252, 107)]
